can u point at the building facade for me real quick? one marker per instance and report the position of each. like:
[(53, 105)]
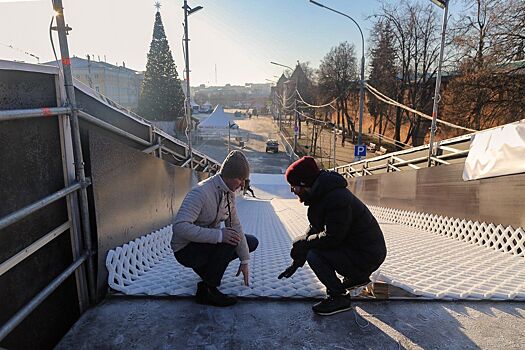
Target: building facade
[(118, 83)]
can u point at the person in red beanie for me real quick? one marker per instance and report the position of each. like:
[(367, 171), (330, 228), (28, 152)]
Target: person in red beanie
[(343, 235)]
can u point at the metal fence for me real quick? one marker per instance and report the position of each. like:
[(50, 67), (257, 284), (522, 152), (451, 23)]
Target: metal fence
[(450, 151), (156, 143)]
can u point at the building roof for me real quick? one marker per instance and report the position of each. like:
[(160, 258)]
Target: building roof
[(77, 62)]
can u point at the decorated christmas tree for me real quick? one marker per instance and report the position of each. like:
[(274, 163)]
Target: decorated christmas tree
[(161, 97)]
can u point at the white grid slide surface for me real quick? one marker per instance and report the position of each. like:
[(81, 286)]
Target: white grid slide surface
[(422, 262), (435, 266), (130, 266), (497, 237)]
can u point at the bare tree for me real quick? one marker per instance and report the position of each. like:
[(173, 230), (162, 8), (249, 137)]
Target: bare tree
[(488, 89), (416, 43), (336, 76), (383, 73)]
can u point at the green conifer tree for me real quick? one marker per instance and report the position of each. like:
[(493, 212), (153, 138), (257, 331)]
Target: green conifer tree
[(161, 97)]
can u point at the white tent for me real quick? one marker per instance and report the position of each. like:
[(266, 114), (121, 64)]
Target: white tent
[(217, 120)]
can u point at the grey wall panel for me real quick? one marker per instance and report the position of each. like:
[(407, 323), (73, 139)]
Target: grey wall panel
[(110, 115), (25, 90), (441, 190), (502, 200), (30, 169), (397, 190), (369, 188), (133, 194)]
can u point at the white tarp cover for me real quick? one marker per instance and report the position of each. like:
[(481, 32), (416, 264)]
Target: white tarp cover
[(218, 119), (496, 152)]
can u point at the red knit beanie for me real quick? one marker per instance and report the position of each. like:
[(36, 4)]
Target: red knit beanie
[(302, 172)]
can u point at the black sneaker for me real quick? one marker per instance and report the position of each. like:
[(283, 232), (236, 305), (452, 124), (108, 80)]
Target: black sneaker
[(207, 295), (333, 304), (350, 284)]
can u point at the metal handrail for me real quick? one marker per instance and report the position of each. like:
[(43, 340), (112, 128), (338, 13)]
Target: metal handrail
[(452, 141), (105, 125), (22, 213), (16, 114), (393, 161), (40, 297), (152, 148), (74, 113), (27, 251), (395, 165)]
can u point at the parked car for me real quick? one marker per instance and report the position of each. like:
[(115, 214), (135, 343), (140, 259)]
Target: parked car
[(272, 146)]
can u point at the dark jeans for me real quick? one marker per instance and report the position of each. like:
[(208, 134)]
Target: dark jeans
[(210, 261), (326, 262)]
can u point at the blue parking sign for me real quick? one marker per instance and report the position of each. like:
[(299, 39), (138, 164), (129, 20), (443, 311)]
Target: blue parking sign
[(360, 151)]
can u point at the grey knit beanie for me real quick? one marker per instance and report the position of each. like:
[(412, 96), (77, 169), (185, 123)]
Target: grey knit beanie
[(235, 166)]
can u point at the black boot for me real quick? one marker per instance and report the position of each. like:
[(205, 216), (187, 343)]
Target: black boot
[(208, 295), (333, 304)]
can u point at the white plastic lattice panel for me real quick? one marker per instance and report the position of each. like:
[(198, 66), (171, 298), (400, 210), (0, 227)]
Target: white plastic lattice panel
[(497, 237), (146, 266), (433, 266)]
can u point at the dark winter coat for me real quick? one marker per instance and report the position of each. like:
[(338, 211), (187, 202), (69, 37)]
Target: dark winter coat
[(338, 219)]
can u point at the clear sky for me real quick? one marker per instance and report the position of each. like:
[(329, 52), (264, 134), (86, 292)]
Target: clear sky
[(239, 37)]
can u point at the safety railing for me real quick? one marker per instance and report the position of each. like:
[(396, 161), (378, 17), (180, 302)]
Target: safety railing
[(288, 148), (157, 143), (85, 255), (448, 151), (162, 144)]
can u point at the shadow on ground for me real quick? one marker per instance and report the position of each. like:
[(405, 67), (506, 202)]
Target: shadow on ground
[(267, 324)]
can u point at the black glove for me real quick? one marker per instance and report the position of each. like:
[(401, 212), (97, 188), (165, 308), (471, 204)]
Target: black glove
[(299, 249), (290, 270)]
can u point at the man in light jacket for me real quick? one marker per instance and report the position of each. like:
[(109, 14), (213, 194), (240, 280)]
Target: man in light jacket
[(198, 240)]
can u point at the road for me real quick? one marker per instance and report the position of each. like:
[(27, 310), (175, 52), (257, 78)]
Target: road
[(254, 132)]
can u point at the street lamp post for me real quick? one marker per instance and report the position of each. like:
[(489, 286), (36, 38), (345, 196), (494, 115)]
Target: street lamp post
[(444, 5), (188, 11), (296, 117), (229, 135), (362, 85)]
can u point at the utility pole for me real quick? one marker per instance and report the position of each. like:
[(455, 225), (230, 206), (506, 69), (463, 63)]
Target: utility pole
[(62, 30), (435, 107), (296, 126), (334, 145), (188, 104), (90, 81), (188, 11), (283, 108), (229, 135)]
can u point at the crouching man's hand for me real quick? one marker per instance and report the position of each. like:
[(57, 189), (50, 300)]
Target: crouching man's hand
[(290, 270), (299, 249), (245, 269)]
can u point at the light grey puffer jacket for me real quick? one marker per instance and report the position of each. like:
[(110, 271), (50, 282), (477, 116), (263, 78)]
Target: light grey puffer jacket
[(201, 213)]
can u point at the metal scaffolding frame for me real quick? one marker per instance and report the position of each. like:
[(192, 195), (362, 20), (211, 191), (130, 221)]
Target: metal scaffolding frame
[(158, 143)]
